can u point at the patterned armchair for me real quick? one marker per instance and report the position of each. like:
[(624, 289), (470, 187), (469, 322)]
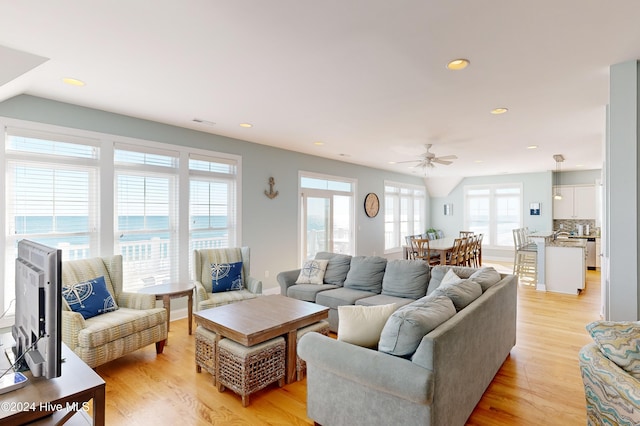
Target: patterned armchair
[(612, 393), (134, 324), (203, 259)]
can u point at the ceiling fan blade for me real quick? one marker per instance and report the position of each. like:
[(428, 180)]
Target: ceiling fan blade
[(408, 161), (441, 161), (448, 157)]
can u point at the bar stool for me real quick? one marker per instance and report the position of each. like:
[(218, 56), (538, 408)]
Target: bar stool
[(525, 263)]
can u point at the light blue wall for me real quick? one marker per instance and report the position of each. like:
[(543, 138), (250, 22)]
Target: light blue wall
[(269, 226), (582, 177)]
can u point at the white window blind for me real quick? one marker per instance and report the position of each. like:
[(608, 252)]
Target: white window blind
[(146, 214), (212, 203), (404, 212), (50, 195)]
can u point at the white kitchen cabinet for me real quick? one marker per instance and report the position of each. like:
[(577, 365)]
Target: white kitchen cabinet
[(578, 202)]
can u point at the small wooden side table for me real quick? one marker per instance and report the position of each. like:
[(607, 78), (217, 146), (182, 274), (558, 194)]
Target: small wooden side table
[(166, 292)]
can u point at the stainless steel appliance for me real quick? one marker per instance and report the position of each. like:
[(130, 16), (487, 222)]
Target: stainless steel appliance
[(591, 253)]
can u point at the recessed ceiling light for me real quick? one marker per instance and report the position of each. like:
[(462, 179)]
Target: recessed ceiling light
[(532, 147), (579, 165), (246, 125), (73, 81), (392, 162), (458, 64), (497, 111), (318, 143), (478, 161)]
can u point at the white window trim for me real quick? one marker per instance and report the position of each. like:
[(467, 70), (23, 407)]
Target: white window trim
[(492, 221), (107, 142), (354, 194), (423, 213)]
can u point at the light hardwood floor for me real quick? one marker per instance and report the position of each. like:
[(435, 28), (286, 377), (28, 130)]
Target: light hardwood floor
[(539, 383)]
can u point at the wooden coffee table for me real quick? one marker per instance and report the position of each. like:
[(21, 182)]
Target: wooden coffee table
[(254, 321)]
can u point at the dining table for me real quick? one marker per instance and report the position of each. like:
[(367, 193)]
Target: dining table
[(442, 246)]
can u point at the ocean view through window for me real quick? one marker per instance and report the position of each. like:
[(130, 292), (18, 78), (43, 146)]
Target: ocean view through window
[(97, 195)]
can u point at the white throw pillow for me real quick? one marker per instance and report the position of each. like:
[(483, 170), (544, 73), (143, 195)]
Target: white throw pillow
[(312, 272), (362, 325), (450, 278)]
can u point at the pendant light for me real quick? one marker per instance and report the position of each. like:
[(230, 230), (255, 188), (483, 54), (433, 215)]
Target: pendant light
[(557, 195)]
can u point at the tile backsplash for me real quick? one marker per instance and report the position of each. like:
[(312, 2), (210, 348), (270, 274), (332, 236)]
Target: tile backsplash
[(569, 225)]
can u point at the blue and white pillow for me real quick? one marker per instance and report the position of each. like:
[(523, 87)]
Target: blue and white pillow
[(226, 277), (312, 272), (89, 298)]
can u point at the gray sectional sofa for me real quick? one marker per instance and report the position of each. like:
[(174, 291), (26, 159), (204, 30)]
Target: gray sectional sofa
[(359, 280), (432, 378)]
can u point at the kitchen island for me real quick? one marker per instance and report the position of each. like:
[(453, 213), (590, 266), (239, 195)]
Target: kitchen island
[(561, 263)]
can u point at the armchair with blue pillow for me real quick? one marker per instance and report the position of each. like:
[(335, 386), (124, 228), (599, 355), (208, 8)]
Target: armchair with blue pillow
[(222, 277), (100, 321)]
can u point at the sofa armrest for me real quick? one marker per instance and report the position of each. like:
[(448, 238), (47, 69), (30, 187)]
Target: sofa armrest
[(72, 323), (254, 285), (367, 368), (286, 279), (136, 300)]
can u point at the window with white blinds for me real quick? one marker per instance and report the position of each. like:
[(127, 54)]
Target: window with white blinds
[(160, 194), (212, 203), (146, 214), (404, 213), (50, 195)]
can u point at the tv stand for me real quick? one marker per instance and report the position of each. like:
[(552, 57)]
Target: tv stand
[(55, 401)]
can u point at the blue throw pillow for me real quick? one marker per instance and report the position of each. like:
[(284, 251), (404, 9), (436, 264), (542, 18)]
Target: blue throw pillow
[(226, 277), (89, 298)]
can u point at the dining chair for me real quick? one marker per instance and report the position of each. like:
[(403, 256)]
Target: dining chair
[(465, 234), (421, 247), (453, 255)]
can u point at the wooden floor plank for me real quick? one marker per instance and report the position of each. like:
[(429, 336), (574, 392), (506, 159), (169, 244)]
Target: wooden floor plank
[(538, 384)]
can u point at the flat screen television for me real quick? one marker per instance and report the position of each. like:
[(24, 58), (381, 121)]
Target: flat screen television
[(38, 312)]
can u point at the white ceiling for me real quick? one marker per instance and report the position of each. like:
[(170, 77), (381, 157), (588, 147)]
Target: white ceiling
[(367, 77)]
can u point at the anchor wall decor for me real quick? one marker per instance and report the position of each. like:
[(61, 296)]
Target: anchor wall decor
[(271, 193)]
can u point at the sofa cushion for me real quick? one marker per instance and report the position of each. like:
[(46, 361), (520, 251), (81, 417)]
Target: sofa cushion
[(405, 328), (362, 325), (115, 325), (365, 273), (486, 277), (89, 298), (620, 342), (382, 299), (337, 267), (406, 278), (308, 292), (341, 296), (461, 293), (312, 272), (439, 271)]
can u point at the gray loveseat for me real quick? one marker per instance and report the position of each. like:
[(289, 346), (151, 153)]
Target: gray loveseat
[(438, 384), (359, 280)]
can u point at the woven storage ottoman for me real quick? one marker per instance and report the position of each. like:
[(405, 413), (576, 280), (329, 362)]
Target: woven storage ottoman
[(206, 351), (247, 369), (321, 327)]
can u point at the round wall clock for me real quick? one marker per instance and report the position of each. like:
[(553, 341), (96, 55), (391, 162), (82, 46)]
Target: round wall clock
[(371, 204)]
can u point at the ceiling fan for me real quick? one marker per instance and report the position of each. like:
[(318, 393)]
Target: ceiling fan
[(429, 158)]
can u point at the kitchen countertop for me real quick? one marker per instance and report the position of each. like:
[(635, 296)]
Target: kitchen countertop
[(568, 242)]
